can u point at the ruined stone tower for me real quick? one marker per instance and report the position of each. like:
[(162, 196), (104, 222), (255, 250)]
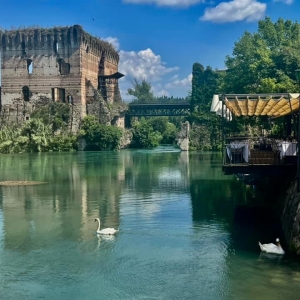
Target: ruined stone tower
[(63, 64)]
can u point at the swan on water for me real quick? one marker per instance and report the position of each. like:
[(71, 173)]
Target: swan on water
[(272, 248), (108, 231)]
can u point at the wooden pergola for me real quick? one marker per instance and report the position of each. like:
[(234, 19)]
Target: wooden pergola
[(272, 105)]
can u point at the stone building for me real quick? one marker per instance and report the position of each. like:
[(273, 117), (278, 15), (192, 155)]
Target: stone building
[(63, 64)]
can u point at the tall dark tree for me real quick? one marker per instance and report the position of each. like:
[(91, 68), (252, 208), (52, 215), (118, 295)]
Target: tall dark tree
[(204, 85)]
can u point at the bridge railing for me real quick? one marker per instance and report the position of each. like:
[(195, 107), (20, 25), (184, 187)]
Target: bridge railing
[(159, 101)]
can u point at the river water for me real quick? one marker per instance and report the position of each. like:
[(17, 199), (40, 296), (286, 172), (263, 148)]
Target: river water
[(186, 230)]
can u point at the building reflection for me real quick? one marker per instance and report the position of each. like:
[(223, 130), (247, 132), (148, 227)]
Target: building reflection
[(64, 208)]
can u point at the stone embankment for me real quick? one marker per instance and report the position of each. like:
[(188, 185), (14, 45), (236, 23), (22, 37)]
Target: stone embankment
[(291, 219)]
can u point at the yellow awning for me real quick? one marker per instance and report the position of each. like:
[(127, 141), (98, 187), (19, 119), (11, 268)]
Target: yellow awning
[(272, 105)]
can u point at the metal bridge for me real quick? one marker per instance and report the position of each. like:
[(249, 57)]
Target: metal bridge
[(158, 108)]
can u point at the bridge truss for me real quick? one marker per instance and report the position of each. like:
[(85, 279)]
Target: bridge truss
[(138, 110)]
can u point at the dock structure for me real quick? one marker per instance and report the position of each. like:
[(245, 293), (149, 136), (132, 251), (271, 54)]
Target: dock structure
[(261, 154)]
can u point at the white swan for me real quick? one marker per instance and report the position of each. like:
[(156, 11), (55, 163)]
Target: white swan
[(108, 231), (272, 248)]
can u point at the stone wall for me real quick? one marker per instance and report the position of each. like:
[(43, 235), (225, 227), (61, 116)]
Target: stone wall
[(291, 219), (106, 113), (44, 65), (183, 136), (37, 64)]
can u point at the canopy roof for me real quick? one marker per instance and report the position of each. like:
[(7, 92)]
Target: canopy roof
[(272, 105)]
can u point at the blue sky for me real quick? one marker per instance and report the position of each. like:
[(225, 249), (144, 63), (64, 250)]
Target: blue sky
[(158, 40)]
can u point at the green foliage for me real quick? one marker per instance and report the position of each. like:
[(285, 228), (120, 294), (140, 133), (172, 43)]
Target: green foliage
[(159, 123), (34, 136), (165, 128), (57, 115), (141, 91), (144, 136), (265, 61), (200, 138), (103, 136), (63, 143), (169, 135), (261, 62), (171, 99), (204, 85)]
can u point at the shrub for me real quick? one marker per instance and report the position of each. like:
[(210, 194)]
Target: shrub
[(103, 136), (63, 143), (144, 135)]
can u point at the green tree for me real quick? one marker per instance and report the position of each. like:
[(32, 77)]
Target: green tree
[(165, 128), (205, 83), (56, 114), (144, 136), (141, 91), (103, 136), (264, 61)]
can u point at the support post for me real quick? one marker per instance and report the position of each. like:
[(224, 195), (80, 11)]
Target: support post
[(298, 152), (223, 134), (298, 134)]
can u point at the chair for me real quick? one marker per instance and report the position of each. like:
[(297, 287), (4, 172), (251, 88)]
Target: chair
[(237, 155)]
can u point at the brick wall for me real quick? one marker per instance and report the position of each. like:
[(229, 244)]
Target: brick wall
[(44, 65)]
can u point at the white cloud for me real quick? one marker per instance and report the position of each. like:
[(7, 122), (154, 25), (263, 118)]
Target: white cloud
[(145, 64), (170, 3), (176, 82), (288, 2), (236, 10), (159, 91), (114, 41)]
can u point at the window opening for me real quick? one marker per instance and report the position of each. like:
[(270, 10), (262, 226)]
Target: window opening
[(70, 99), (29, 66), (58, 95), (64, 68), (55, 47), (23, 48), (26, 93)]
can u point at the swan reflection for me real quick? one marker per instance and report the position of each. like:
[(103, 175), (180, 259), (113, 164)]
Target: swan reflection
[(104, 238), (270, 257)]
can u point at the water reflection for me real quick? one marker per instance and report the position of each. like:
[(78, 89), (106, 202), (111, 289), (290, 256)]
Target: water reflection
[(186, 230), (270, 257)]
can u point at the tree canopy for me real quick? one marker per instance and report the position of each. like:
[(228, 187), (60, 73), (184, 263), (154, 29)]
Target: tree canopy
[(261, 62), (264, 61), (141, 91)]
